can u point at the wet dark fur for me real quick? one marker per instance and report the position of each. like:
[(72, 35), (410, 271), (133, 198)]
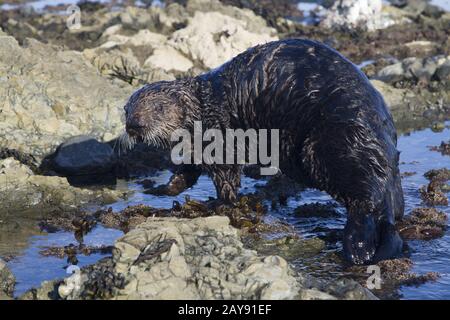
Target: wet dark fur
[(335, 130)]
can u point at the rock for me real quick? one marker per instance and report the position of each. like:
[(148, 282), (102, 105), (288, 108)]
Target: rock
[(46, 291), (83, 155), (7, 280), (202, 258), (348, 289), (156, 19), (48, 95), (418, 7), (168, 59), (213, 38), (143, 37), (443, 148), (21, 189), (443, 71), (423, 224), (394, 97), (314, 294), (174, 41), (409, 69), (366, 14), (408, 103), (253, 23), (422, 47)]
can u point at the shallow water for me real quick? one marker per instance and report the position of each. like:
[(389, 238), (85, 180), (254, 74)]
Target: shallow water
[(31, 268)]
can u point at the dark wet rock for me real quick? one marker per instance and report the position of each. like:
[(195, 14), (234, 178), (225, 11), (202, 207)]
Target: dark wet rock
[(67, 220), (90, 6), (83, 155), (130, 217), (408, 174), (319, 210), (289, 247), (397, 271), (423, 224), (246, 213), (7, 280), (394, 273), (434, 193), (442, 174), (443, 148), (98, 281), (71, 251)]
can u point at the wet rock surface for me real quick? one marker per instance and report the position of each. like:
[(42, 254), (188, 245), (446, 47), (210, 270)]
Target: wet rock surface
[(423, 224), (394, 273), (434, 193), (443, 148), (21, 189)]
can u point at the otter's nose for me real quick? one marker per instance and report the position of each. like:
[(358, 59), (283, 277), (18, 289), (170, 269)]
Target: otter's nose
[(133, 127)]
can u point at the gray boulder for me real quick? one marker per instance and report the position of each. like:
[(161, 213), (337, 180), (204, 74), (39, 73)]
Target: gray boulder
[(203, 258), (411, 68), (84, 155)]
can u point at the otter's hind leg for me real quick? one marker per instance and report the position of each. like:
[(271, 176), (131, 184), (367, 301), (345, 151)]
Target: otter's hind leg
[(359, 169)]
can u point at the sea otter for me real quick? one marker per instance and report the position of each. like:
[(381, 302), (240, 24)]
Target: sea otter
[(336, 133)]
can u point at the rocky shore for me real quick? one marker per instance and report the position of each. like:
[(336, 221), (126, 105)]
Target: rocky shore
[(61, 97)]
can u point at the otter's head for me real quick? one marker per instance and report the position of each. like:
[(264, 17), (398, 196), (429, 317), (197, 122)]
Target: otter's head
[(153, 113)]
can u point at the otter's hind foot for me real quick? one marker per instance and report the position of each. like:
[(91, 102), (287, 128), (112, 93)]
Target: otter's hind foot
[(366, 241)]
